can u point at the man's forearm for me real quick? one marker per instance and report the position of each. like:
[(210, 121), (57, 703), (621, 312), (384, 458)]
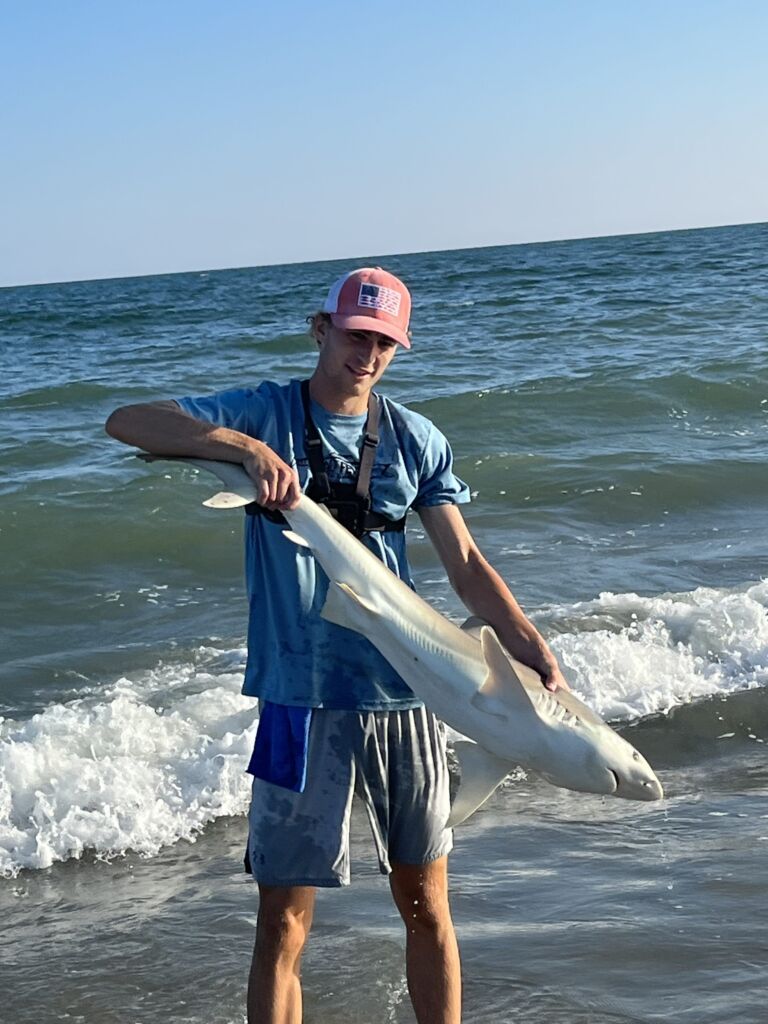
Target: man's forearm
[(164, 429), (486, 595)]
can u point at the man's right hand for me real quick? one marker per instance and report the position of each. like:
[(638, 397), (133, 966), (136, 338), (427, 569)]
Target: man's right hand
[(277, 485)]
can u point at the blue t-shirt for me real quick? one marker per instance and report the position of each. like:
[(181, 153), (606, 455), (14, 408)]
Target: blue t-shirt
[(295, 657)]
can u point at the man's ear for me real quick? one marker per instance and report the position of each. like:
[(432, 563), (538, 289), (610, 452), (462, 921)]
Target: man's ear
[(320, 326)]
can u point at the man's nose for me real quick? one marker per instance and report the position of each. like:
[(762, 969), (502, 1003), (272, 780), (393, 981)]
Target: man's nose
[(368, 350)]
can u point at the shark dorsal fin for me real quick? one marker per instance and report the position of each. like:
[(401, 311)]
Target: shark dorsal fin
[(501, 692)]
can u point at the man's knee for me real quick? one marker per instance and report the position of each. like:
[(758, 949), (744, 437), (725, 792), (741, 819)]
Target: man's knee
[(426, 918), (421, 895), (281, 934), (284, 923)]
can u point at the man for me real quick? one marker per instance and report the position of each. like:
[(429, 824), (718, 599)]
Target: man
[(335, 717)]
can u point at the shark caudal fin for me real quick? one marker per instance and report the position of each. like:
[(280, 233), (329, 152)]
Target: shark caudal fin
[(240, 491), (481, 773)]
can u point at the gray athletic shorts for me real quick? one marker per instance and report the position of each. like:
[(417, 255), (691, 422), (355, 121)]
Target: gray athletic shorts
[(393, 760)]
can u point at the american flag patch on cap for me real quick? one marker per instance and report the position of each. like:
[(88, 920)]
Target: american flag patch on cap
[(377, 296)]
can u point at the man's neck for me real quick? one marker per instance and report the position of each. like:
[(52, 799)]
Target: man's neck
[(334, 401)]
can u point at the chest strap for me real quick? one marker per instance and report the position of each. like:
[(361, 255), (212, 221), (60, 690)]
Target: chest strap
[(349, 503), (313, 446)]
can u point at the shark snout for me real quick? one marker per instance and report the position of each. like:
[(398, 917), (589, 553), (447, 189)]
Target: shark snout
[(633, 777), (644, 789), (638, 785)]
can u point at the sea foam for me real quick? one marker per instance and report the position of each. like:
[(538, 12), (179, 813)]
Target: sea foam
[(147, 761), (633, 656), (116, 773)]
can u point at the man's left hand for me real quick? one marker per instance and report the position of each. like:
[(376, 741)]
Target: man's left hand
[(555, 680)]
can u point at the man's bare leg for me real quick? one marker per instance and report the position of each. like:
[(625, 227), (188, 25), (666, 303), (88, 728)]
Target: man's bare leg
[(274, 988), (432, 954)]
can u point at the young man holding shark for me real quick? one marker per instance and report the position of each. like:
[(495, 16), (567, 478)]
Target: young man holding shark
[(336, 719)]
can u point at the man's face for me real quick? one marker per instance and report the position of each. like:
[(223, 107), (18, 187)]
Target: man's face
[(354, 361)]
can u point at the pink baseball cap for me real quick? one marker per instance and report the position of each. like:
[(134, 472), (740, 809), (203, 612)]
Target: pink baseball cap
[(371, 299)]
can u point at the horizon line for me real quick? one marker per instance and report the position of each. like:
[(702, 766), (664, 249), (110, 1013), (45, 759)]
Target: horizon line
[(410, 252)]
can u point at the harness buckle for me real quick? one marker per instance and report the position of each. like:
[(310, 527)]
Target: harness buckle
[(350, 514)]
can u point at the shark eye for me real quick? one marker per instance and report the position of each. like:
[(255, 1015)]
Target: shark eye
[(636, 755)]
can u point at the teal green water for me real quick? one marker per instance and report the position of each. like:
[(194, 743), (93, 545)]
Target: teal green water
[(607, 402)]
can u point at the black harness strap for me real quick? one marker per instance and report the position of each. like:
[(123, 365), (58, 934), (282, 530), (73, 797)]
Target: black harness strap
[(349, 503), (368, 452), (313, 446)]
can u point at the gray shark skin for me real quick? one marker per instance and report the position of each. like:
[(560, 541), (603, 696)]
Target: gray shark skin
[(463, 675)]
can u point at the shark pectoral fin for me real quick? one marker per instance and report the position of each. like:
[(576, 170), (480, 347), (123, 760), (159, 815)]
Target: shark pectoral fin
[(481, 773), (346, 608), (227, 499), (489, 705), (502, 686), (296, 538)]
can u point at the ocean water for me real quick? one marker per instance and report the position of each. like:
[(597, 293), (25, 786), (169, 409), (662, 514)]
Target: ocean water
[(607, 402)]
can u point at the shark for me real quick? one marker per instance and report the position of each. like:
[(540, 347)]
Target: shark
[(463, 674)]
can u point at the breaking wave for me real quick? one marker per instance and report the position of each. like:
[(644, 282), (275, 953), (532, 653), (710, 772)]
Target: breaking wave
[(147, 761), (136, 768)]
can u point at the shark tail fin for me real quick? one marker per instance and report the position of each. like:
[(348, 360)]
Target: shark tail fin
[(481, 773)]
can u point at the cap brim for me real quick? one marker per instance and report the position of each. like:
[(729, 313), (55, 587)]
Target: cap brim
[(370, 323)]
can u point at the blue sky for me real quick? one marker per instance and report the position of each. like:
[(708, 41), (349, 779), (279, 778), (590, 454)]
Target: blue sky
[(152, 137)]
